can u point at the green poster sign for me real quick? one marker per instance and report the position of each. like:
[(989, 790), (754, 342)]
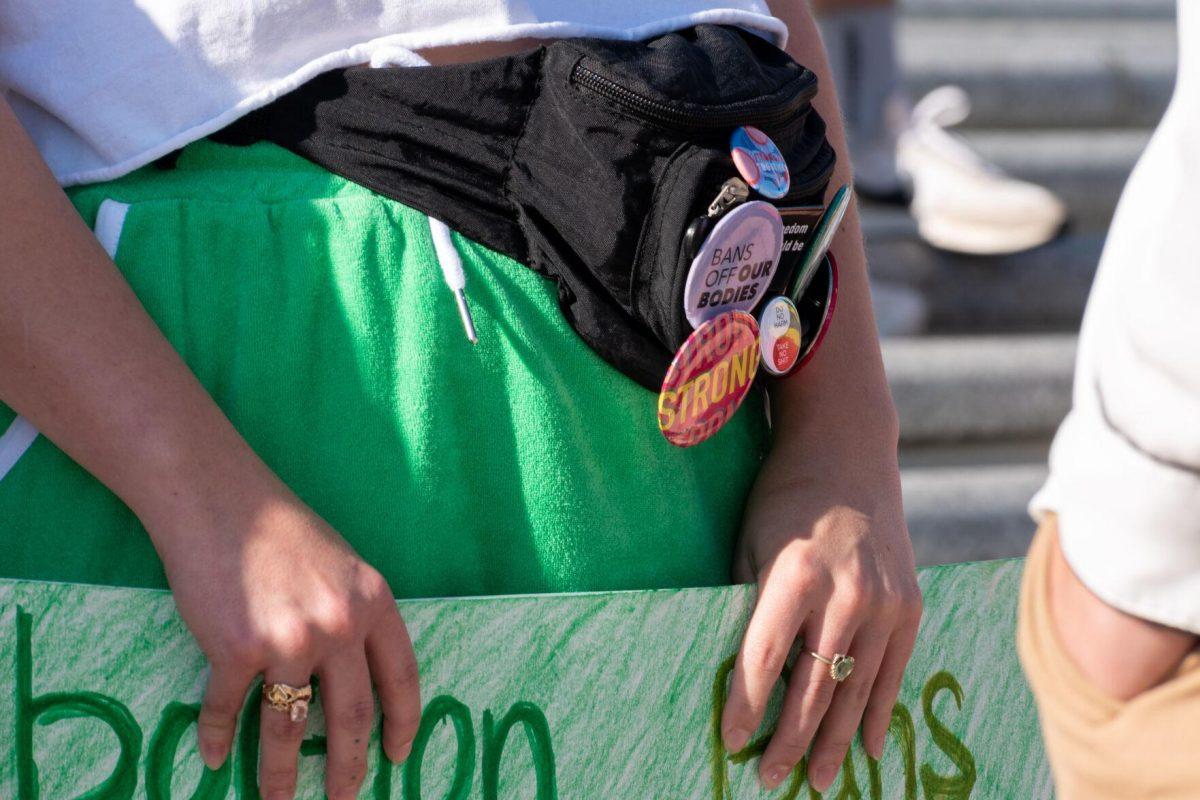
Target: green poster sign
[(610, 696)]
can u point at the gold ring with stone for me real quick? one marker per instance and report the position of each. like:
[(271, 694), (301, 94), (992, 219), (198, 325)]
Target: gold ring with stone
[(840, 666), (291, 700)]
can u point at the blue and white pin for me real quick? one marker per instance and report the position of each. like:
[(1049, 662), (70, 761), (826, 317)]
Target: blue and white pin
[(759, 162)]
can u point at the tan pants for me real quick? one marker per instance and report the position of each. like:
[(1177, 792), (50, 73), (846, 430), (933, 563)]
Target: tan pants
[(1101, 747)]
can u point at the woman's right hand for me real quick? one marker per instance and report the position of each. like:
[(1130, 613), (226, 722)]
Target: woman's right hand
[(264, 584), (268, 588)]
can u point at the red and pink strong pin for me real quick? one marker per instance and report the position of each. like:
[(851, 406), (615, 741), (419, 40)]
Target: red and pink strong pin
[(708, 379)]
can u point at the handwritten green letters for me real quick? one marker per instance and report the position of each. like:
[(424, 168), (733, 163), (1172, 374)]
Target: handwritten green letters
[(571, 697)]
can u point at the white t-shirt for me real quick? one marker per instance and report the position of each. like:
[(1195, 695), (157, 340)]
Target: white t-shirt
[(106, 86), (1125, 466)]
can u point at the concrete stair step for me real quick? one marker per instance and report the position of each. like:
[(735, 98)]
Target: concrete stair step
[(1042, 290), (1056, 73), (1025, 9), (971, 389), (969, 504)]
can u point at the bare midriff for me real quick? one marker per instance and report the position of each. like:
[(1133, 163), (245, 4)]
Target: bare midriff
[(479, 51)]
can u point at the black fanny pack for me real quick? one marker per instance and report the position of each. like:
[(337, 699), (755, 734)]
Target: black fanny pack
[(584, 159)]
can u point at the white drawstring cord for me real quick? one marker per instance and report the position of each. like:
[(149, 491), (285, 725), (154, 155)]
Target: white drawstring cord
[(452, 271), (443, 244)]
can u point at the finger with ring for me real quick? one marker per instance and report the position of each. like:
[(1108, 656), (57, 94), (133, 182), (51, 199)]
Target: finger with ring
[(840, 666), (290, 700)]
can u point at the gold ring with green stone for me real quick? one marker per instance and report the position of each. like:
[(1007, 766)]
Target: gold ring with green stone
[(840, 666)]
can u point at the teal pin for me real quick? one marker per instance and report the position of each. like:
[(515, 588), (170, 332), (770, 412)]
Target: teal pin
[(815, 253)]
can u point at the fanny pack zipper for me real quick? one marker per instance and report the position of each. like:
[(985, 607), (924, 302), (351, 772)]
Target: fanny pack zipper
[(726, 116), (799, 190)]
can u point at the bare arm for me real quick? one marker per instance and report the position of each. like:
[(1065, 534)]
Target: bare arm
[(81, 359), (824, 532), (845, 387), (1121, 654)]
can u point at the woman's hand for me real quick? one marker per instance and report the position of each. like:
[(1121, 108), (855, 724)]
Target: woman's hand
[(1120, 654), (824, 531), (268, 588), (262, 582), (832, 558)]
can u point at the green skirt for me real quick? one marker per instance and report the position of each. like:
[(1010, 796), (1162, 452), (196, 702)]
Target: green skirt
[(315, 313)]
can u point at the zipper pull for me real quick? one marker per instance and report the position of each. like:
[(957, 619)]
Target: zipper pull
[(733, 191)]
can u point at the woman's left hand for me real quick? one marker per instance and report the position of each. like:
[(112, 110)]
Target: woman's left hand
[(830, 552)]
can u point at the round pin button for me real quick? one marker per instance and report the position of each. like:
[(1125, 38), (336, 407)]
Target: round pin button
[(759, 162), (735, 264), (817, 308), (818, 246), (779, 336), (708, 378)]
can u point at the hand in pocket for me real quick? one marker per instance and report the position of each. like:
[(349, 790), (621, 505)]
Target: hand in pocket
[(1120, 654)]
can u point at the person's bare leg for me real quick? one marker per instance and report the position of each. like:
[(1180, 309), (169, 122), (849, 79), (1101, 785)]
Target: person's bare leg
[(860, 38)]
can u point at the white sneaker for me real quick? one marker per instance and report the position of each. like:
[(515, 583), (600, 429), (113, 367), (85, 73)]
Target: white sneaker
[(961, 202)]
